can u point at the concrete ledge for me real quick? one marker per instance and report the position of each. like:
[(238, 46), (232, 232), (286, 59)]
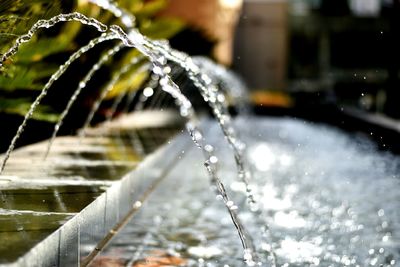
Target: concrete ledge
[(77, 238), (53, 212)]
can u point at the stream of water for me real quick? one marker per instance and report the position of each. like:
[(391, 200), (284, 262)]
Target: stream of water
[(320, 213), (158, 52), (331, 199)]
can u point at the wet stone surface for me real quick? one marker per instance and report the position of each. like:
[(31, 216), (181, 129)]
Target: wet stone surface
[(39, 195), (51, 199), (330, 199), (20, 230)]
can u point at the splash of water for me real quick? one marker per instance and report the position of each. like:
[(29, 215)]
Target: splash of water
[(187, 111), (159, 52), (135, 39), (82, 84), (104, 37), (126, 18), (75, 16), (209, 92), (227, 81), (213, 97)]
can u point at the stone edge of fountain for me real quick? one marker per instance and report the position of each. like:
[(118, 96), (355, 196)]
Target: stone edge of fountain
[(78, 237)]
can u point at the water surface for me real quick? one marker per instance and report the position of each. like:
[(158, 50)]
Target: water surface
[(330, 199)]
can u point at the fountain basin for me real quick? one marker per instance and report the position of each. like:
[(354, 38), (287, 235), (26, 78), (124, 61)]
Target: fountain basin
[(330, 199), (54, 211)]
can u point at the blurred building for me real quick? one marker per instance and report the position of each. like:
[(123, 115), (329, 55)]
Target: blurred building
[(261, 45), (344, 51)]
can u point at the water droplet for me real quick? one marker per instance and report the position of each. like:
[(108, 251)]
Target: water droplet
[(167, 69), (209, 148), (137, 204), (381, 213), (157, 70), (248, 257), (197, 136), (148, 92), (213, 159), (221, 98)]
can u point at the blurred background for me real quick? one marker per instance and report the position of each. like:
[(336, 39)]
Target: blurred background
[(335, 61), (341, 52)]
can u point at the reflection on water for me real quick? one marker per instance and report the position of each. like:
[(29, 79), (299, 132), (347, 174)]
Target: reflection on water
[(330, 200), (38, 196), (50, 199), (341, 194), (20, 230)]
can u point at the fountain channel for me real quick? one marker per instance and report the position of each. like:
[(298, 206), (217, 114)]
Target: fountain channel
[(132, 192)]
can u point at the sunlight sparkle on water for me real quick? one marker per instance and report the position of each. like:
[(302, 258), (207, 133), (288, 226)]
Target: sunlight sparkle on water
[(289, 220), (299, 251), (205, 252), (271, 201), (262, 157)]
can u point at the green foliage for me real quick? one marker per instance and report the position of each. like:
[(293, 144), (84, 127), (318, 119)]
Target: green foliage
[(21, 106), (149, 9), (25, 78), (39, 49), (162, 28), (17, 16), (38, 59), (132, 81)]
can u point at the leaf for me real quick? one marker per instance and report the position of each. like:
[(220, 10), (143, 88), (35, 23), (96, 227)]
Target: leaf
[(17, 16), (38, 59), (131, 81), (6, 5), (21, 80), (148, 9), (127, 58), (36, 51), (24, 77), (21, 106), (162, 28)]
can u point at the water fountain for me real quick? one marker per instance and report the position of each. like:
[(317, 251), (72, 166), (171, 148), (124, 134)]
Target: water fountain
[(319, 213), (157, 52)]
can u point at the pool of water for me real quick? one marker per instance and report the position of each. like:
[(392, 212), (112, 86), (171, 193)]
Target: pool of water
[(329, 198), (20, 230), (37, 196)]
